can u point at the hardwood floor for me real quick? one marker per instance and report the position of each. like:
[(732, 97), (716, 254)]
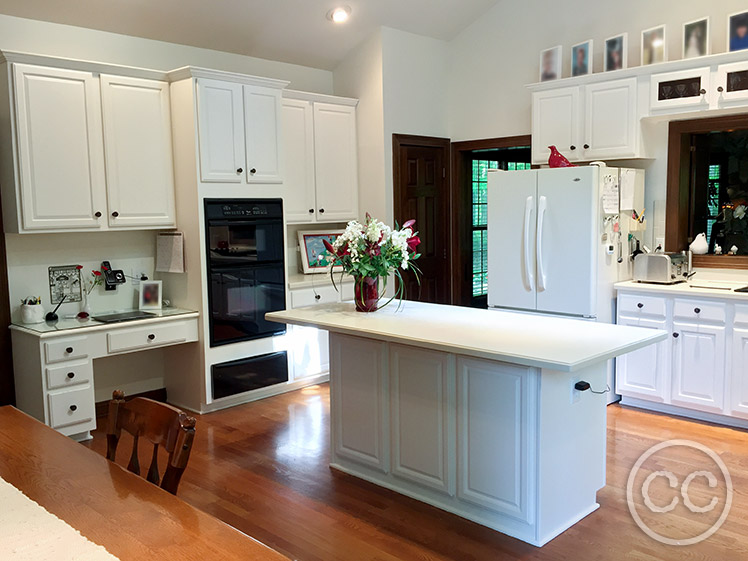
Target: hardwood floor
[(263, 468)]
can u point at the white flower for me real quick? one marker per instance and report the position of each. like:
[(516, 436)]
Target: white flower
[(739, 212)]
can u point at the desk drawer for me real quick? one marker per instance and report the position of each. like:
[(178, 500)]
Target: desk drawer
[(145, 337), (67, 348), (71, 407), (695, 310), (325, 294), (640, 304), (70, 374)]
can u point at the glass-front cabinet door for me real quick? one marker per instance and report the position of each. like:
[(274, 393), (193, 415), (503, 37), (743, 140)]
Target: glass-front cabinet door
[(732, 84), (687, 89)]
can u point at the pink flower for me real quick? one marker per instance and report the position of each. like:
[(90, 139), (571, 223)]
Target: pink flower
[(413, 243), (409, 224), (328, 247)]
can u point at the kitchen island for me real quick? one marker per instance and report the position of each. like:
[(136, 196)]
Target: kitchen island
[(473, 411)]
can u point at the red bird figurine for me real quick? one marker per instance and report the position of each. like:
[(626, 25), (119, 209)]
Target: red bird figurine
[(558, 160)]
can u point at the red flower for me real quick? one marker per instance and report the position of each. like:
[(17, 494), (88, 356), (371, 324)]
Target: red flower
[(374, 251), (413, 243), (79, 267), (96, 273), (409, 224), (328, 247), (103, 268)]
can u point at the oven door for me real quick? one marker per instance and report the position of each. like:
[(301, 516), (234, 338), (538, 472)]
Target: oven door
[(237, 242), (240, 296)]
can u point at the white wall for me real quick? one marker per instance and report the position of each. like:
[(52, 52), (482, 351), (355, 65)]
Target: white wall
[(38, 37)]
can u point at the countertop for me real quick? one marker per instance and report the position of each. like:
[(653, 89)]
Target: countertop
[(530, 340), (63, 324), (695, 288)]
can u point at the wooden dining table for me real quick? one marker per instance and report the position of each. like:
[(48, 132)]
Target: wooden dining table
[(131, 518)]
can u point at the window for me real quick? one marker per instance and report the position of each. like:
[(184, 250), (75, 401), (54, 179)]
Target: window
[(479, 186)]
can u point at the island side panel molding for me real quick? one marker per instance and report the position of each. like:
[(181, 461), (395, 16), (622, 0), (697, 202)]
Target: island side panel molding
[(422, 405), (359, 404), (496, 418)]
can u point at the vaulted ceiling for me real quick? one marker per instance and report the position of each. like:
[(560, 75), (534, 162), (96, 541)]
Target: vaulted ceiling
[(295, 31)]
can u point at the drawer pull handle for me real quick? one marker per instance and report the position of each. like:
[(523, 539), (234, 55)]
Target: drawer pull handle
[(71, 375), (73, 407), (151, 337), (697, 310), (317, 296), (640, 305), (676, 335), (69, 350), (239, 170), (253, 171), (115, 214)]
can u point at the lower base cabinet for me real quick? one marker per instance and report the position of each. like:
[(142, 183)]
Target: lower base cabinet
[(698, 366), (643, 373)]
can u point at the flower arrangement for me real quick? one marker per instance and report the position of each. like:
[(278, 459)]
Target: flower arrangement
[(94, 281), (372, 251)]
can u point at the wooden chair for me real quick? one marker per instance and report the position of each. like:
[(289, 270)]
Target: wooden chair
[(159, 423)]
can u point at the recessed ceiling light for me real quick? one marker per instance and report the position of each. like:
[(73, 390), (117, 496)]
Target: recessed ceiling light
[(340, 14)]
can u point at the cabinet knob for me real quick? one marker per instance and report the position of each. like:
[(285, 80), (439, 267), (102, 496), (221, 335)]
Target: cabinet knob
[(697, 310), (151, 337), (720, 89), (69, 350), (71, 375), (115, 214), (253, 171), (676, 335), (572, 147), (317, 296), (702, 91), (586, 146), (97, 214), (322, 211), (640, 305), (239, 170), (311, 211), (73, 407)]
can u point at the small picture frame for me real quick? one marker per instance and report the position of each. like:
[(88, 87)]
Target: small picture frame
[(737, 31), (616, 52), (696, 41), (314, 256), (581, 58), (654, 45), (150, 295), (550, 64)]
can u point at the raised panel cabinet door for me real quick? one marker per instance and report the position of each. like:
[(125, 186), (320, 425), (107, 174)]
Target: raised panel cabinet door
[(731, 87), (556, 121), (358, 401), (494, 420), (739, 383), (138, 149), (421, 383), (335, 158), (611, 124), (60, 148), (644, 373), (297, 118), (311, 351), (220, 121), (262, 122), (684, 90), (699, 366)]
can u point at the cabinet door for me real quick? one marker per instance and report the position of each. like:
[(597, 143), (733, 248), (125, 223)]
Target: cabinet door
[(420, 386), (732, 84), (335, 158), (298, 160), (556, 120), (611, 125), (262, 117), (684, 90), (60, 148), (699, 366), (137, 144), (220, 115), (739, 381), (311, 352), (644, 373)]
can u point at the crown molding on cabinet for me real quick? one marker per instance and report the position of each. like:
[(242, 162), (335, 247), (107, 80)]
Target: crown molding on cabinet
[(197, 72), (321, 98)]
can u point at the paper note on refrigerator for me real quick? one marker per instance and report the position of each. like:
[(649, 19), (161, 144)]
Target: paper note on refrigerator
[(610, 194), (170, 252), (628, 190)]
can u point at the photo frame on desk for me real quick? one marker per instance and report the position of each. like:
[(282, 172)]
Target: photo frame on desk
[(150, 295), (314, 257)]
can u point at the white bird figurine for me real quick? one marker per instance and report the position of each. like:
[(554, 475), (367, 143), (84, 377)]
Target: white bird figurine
[(717, 249), (734, 250), (699, 246)]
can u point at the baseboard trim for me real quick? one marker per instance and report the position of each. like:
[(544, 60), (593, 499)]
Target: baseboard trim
[(691, 414), (102, 407)]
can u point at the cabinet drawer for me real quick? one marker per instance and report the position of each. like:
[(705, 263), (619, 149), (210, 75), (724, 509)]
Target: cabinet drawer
[(70, 374), (311, 296), (71, 407), (741, 313), (695, 310), (639, 304), (145, 337), (68, 348)]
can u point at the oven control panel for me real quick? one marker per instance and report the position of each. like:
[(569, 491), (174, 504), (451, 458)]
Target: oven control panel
[(243, 209), (235, 210)]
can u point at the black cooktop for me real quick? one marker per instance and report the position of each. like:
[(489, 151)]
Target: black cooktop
[(124, 316)]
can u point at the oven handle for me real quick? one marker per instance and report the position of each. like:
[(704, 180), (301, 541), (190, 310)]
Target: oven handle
[(244, 222)]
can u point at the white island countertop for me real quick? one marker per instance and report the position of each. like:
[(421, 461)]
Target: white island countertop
[(530, 340)]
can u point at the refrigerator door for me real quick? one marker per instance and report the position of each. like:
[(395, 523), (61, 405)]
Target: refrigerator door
[(511, 239), (567, 241)]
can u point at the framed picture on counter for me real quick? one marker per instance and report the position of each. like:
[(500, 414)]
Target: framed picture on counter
[(550, 64), (696, 38), (737, 32), (314, 257), (654, 45), (150, 295), (616, 52), (581, 59)]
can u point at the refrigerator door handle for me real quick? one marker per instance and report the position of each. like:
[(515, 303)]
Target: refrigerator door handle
[(529, 280), (542, 204)]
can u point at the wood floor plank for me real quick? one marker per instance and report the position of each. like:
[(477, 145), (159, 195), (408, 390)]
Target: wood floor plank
[(263, 468)]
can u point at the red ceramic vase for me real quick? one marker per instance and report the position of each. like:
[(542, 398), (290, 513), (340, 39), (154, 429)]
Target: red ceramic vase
[(366, 293)]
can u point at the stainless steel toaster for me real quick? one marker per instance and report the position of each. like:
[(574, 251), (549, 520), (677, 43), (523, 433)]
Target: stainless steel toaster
[(661, 268)]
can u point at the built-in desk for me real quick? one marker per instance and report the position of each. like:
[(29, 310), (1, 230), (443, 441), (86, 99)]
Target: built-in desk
[(53, 362)]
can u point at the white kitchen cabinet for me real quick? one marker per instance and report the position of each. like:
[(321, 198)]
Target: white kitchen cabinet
[(262, 117), (298, 159), (684, 90), (60, 149), (310, 352), (731, 87), (644, 373), (611, 125), (220, 115), (698, 366), (556, 121), (738, 396), (138, 149), (420, 386)]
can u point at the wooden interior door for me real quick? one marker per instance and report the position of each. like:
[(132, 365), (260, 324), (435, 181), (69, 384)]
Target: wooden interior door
[(421, 192)]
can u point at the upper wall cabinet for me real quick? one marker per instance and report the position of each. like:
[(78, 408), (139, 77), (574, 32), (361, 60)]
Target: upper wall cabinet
[(320, 158), (239, 132), (682, 90), (78, 146)]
